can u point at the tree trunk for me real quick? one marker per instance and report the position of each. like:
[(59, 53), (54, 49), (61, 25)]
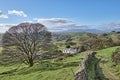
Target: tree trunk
[(31, 63)]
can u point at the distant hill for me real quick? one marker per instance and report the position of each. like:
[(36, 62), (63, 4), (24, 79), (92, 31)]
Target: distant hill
[(60, 36), (57, 36), (68, 35), (85, 30)]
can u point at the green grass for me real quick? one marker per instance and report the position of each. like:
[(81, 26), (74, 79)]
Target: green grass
[(0, 49), (91, 69), (112, 73), (61, 70), (46, 70), (60, 74)]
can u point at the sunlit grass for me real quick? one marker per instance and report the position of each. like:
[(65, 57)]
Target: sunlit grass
[(53, 70)]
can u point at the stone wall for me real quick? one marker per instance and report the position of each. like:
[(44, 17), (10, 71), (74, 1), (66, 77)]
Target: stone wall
[(82, 73)]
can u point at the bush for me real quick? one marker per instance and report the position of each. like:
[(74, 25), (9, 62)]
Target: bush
[(116, 56), (97, 43), (59, 59)]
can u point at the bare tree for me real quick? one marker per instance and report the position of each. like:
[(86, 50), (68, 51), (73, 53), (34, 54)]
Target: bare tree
[(27, 39)]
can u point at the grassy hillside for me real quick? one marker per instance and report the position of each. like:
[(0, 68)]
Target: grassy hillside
[(78, 35), (45, 70), (69, 35), (63, 69), (111, 72)]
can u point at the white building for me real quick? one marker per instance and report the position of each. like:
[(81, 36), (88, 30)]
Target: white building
[(70, 50)]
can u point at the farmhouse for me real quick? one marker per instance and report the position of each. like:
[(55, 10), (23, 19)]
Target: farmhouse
[(70, 51)]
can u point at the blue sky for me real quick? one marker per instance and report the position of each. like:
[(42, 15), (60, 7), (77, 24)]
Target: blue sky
[(49, 12)]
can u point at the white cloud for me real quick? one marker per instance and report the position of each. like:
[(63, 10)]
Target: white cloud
[(5, 27), (71, 26), (28, 21), (18, 13), (67, 27), (109, 26), (65, 24), (52, 20), (60, 24), (3, 15)]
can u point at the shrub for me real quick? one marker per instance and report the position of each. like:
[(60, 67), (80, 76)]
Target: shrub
[(116, 56)]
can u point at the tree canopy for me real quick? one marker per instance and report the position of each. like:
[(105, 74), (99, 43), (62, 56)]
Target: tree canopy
[(27, 39)]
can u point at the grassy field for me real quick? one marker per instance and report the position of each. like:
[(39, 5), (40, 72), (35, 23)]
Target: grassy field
[(45, 70), (62, 70), (110, 72), (0, 49)]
